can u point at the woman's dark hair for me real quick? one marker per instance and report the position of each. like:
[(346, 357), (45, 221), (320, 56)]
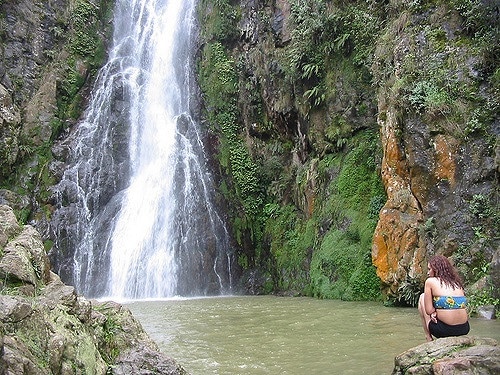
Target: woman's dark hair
[(447, 274)]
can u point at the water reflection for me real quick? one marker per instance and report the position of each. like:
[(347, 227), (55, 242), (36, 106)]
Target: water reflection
[(280, 335)]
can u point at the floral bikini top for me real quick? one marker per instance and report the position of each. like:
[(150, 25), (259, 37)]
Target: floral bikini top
[(449, 302)]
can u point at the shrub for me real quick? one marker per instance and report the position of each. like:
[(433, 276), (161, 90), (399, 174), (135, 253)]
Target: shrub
[(483, 297), (409, 291), (342, 269)]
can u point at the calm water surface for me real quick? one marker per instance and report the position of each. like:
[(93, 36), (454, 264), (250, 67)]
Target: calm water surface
[(284, 335)]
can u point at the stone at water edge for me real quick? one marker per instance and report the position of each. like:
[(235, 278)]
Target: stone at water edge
[(487, 311), (47, 328), (451, 356)]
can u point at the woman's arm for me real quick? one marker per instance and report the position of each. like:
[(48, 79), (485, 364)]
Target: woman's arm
[(429, 307)]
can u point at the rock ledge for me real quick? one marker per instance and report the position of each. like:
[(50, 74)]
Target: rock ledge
[(451, 356)]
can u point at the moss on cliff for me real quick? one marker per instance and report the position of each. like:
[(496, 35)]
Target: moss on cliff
[(312, 82), (296, 129), (52, 91), (299, 96), (341, 262), (218, 82)]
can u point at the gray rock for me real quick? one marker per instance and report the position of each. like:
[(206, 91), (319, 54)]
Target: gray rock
[(451, 356), (56, 331), (10, 127), (487, 312), (8, 225), (145, 361), (17, 358), (14, 309), (24, 260)]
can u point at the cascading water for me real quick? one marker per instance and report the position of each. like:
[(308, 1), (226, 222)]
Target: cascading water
[(136, 200)]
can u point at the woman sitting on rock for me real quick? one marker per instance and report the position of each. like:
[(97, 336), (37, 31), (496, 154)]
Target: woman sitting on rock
[(442, 306)]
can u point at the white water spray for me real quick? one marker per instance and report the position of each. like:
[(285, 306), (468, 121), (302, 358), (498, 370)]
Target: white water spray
[(160, 235)]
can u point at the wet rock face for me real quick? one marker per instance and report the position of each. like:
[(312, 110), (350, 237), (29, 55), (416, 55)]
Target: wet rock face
[(31, 57), (397, 247), (430, 182), (36, 64), (434, 172), (46, 328), (10, 227), (33, 30), (452, 355), (10, 127)]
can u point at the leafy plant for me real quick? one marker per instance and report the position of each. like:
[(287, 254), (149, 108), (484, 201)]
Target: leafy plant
[(109, 349), (483, 297), (409, 291), (342, 269), (480, 206), (426, 96), (341, 264), (358, 180), (218, 81), (84, 17), (291, 239), (316, 95), (322, 37), (220, 20), (376, 204)]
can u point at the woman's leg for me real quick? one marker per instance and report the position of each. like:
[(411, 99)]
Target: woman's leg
[(425, 318)]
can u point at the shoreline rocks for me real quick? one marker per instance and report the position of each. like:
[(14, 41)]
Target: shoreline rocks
[(451, 356), (47, 328)]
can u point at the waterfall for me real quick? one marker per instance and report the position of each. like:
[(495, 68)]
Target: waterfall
[(137, 201)]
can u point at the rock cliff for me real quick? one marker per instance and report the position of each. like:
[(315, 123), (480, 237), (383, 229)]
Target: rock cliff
[(438, 161), (313, 79), (46, 328), (48, 52), (352, 139)]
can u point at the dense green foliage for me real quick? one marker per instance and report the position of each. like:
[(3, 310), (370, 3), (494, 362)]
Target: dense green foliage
[(87, 48), (325, 33), (442, 83), (341, 265), (313, 179), (319, 245), (218, 81)]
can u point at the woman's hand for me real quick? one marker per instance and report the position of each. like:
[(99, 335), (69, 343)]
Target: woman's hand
[(434, 317)]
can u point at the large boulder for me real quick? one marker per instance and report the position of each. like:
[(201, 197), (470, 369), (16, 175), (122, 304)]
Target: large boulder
[(451, 356), (47, 328), (9, 226), (24, 261)]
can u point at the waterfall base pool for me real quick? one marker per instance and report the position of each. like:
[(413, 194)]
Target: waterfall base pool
[(285, 335)]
